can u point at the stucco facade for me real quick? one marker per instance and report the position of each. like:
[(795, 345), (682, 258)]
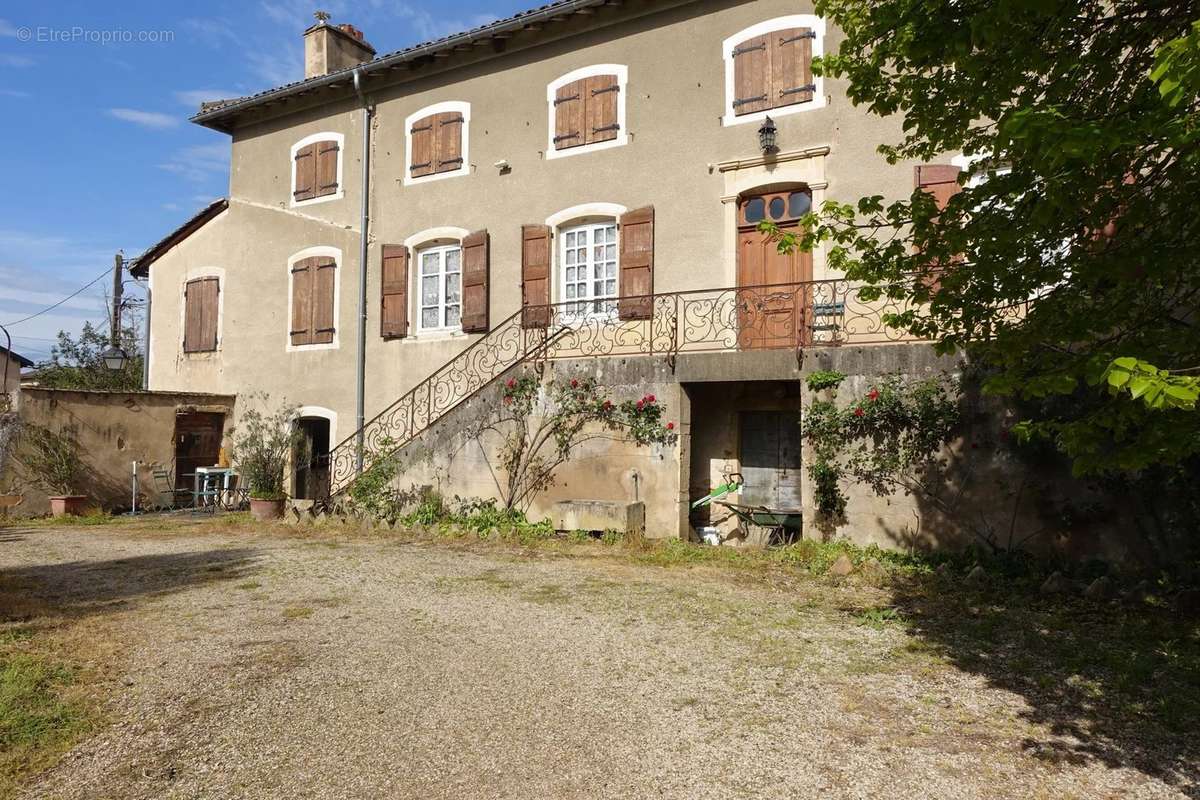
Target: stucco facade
[(681, 150)]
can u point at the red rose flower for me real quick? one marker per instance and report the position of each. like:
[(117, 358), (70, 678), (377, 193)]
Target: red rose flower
[(574, 383), (858, 412), (873, 395), (607, 405), (639, 405), (649, 398), (512, 382), (670, 426)]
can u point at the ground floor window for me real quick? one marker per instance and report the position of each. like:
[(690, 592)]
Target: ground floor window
[(441, 288), (588, 267)]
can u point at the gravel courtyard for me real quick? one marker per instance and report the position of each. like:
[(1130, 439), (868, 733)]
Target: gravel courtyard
[(252, 665)]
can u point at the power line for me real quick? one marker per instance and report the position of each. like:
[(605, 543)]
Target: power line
[(74, 294)]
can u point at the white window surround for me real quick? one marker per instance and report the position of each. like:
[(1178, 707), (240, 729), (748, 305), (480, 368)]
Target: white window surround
[(622, 73), (578, 215), (305, 142), (189, 276), (429, 237), (320, 412), (309, 252), (461, 107), (816, 24)]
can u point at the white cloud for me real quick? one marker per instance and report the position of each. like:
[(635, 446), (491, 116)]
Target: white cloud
[(9, 60), (194, 97), (199, 163), (147, 119)]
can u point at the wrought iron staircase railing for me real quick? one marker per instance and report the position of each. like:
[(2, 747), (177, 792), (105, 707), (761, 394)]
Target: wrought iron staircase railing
[(795, 316)]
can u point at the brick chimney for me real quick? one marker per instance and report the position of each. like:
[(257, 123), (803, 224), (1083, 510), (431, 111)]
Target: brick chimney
[(328, 48)]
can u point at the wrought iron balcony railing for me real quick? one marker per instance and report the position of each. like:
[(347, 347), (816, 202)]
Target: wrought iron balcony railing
[(792, 316)]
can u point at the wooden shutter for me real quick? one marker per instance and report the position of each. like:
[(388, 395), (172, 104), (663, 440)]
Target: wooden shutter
[(191, 317), (448, 132), (791, 66), (424, 146), (601, 96), (475, 258), (303, 274), (209, 290), (323, 296), (569, 115), (306, 173), (941, 181), (394, 314), (751, 75), (327, 168), (535, 276), (637, 264)]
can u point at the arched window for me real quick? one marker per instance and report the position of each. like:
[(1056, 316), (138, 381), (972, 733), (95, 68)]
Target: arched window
[(768, 68), (317, 168), (587, 110), (437, 142)]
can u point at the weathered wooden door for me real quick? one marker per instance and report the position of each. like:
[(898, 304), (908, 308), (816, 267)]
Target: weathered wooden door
[(197, 443), (770, 459), (771, 306)]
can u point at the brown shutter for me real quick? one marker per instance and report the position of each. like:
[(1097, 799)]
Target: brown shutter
[(209, 291), (306, 173), (323, 297), (941, 181), (637, 264), (192, 315), (327, 163), (303, 272), (535, 276), (791, 67), (751, 75), (475, 258), (569, 115), (424, 149), (448, 130), (602, 94), (394, 314)]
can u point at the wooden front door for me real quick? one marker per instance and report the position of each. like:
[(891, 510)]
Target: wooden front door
[(770, 459), (771, 306), (197, 443)]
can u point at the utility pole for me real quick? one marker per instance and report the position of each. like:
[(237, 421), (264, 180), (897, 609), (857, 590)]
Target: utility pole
[(118, 291)]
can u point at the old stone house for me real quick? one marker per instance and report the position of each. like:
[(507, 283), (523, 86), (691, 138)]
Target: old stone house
[(581, 184)]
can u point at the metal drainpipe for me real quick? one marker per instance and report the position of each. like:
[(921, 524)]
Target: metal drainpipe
[(368, 116), (146, 346)]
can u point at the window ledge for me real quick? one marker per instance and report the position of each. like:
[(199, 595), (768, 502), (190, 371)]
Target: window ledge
[(436, 334), (338, 195)]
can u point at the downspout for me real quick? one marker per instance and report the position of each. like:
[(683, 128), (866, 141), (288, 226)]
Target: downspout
[(360, 408), (146, 346)]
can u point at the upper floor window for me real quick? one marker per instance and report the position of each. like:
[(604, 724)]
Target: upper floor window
[(312, 297), (587, 110), (768, 68), (201, 308), (317, 168), (437, 142)]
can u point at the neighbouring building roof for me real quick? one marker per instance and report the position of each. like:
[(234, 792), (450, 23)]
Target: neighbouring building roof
[(220, 114), (20, 359), (140, 266)]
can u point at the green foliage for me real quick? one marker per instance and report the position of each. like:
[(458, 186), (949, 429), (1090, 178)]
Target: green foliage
[(52, 458), (263, 442), (1073, 244), (888, 439), (373, 493), (1155, 387), (75, 363), (824, 379), (541, 430)]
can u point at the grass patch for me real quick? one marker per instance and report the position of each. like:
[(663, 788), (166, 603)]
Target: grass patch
[(249, 585), (297, 612)]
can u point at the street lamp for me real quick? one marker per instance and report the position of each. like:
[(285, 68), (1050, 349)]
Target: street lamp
[(115, 358)]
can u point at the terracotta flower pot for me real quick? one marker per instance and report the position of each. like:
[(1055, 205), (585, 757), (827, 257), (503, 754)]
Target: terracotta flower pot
[(263, 510), (71, 505)]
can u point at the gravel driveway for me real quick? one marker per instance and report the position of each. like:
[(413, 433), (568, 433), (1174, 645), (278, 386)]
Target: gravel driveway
[(275, 667)]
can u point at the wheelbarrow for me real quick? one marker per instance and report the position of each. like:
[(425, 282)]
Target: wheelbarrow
[(785, 524)]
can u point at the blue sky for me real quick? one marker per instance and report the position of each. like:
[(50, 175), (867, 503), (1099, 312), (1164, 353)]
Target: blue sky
[(95, 142)]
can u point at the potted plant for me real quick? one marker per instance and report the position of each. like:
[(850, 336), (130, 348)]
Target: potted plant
[(53, 459), (262, 444)]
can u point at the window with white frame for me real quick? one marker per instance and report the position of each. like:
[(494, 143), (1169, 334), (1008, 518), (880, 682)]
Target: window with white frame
[(587, 110), (437, 140), (440, 289), (768, 69), (587, 256)]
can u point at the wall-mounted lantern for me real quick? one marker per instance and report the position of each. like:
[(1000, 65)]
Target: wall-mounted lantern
[(767, 136)]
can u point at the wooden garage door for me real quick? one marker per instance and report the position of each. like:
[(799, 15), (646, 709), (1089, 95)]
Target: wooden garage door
[(770, 458)]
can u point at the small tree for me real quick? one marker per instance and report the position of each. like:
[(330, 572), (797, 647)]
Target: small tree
[(541, 431), (10, 426), (262, 445), (76, 363), (52, 458)]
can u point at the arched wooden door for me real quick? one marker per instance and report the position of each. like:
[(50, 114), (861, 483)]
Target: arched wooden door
[(772, 307)]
